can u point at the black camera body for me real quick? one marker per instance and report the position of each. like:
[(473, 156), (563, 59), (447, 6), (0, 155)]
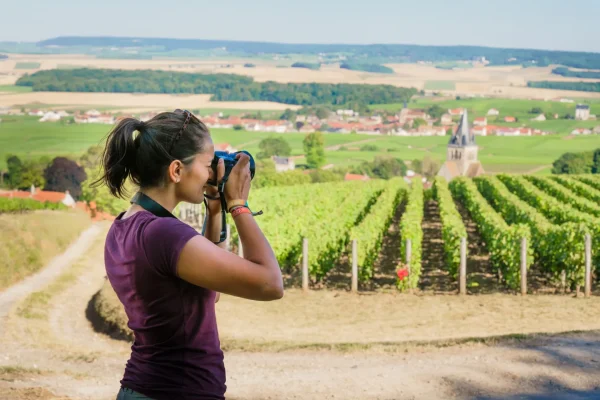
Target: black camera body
[(229, 160)]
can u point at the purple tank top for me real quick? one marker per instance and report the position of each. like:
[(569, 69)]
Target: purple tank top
[(176, 353)]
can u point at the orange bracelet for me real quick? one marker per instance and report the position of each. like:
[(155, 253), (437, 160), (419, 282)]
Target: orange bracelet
[(235, 203), (240, 210)]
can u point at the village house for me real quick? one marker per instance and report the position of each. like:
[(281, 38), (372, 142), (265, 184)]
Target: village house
[(461, 154), (581, 131), (582, 112), (456, 112), (94, 117), (50, 116), (225, 147), (479, 130), (356, 177), (283, 164), (36, 113), (481, 121), (493, 111), (540, 117), (510, 119), (446, 119), (41, 195)]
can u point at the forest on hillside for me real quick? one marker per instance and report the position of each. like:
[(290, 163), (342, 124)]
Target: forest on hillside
[(223, 87), (579, 86), (353, 52), (567, 72)]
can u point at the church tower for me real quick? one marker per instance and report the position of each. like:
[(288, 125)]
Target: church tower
[(461, 155)]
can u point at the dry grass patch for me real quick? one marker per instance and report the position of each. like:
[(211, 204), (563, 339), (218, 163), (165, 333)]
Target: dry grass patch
[(111, 317), (336, 318), (341, 321), (30, 240)]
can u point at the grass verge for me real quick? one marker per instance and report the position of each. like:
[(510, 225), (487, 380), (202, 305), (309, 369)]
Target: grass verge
[(30, 240)]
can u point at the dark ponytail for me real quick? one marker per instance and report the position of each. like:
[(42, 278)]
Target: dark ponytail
[(143, 157)]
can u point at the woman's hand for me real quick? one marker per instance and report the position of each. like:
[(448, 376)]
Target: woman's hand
[(238, 183), (214, 206)]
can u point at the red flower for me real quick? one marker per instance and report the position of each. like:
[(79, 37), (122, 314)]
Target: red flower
[(402, 273)]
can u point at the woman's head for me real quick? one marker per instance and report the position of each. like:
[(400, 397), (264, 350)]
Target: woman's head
[(173, 148)]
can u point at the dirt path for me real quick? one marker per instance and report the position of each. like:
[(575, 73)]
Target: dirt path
[(434, 276), (537, 169), (71, 361), (542, 370), (480, 277), (337, 146)]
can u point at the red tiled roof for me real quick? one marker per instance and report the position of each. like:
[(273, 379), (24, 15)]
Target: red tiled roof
[(53, 197), (356, 177), (222, 146)]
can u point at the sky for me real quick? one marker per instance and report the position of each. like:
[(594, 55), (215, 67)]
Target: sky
[(540, 24)]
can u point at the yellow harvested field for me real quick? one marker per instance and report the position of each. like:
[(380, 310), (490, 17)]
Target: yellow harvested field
[(502, 81), (131, 102)]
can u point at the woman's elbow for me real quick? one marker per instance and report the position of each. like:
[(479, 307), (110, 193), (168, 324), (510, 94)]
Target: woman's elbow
[(274, 290)]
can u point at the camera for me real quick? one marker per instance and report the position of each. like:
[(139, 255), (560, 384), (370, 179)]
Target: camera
[(229, 160)]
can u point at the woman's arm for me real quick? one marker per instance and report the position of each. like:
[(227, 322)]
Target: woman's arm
[(213, 227), (257, 276)]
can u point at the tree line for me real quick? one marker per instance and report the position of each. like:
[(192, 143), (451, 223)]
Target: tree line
[(567, 72), (377, 68), (389, 52), (223, 87), (580, 86)]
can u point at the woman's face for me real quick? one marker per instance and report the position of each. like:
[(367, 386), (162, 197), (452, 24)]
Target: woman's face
[(195, 175)]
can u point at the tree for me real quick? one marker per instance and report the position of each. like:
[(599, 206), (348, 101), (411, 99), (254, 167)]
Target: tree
[(382, 167), (64, 174), (322, 112), (92, 157), (289, 115), (416, 165), (436, 111), (33, 173), (15, 171), (314, 150), (417, 122), (430, 167), (536, 110), (596, 162), (100, 194), (273, 146), (573, 163), (325, 175)]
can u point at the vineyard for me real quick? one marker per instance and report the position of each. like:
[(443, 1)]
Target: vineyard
[(523, 225)]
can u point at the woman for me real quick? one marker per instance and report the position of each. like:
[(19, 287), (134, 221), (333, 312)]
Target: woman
[(165, 273)]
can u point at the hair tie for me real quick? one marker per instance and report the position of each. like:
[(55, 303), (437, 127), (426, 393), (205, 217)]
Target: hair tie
[(140, 125)]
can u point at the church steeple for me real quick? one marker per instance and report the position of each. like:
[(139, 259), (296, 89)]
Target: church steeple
[(462, 137)]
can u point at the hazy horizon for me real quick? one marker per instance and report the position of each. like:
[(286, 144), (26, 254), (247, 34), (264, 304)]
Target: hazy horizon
[(535, 24)]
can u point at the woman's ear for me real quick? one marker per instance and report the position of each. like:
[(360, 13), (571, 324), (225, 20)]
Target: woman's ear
[(175, 171)]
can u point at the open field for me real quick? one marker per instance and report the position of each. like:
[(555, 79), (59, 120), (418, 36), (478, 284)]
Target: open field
[(133, 102), (440, 85), (26, 137), (507, 81)]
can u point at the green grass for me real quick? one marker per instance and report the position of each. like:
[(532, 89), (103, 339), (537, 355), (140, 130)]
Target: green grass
[(453, 64), (15, 89), (440, 85), (27, 65), (27, 138)]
